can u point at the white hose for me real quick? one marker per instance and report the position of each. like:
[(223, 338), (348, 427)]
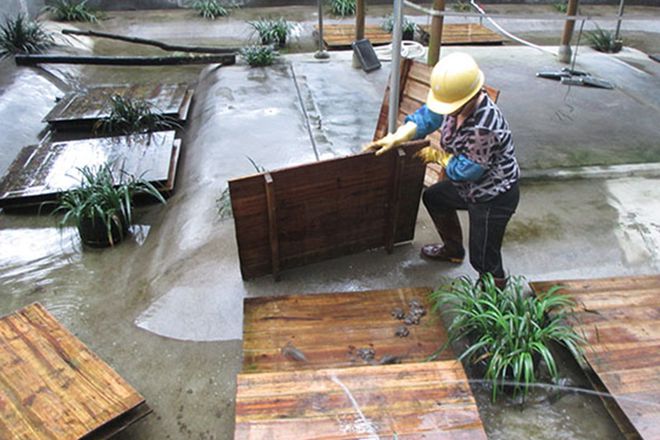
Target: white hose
[(409, 49)]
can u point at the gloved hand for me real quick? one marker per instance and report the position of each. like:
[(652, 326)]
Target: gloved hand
[(403, 134), (431, 154)]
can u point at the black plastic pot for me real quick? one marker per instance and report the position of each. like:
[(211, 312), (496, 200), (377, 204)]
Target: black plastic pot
[(94, 232)]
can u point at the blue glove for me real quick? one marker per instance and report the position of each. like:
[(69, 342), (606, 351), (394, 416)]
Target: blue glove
[(462, 169)]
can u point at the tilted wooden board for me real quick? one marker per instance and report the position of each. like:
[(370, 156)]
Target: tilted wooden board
[(41, 172), (82, 109), (51, 385), (427, 400), (300, 215), (339, 36), (329, 328), (620, 319), (414, 83)]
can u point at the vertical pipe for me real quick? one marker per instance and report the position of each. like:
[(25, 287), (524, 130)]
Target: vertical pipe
[(321, 53), (435, 41), (565, 45), (396, 67), (618, 22), (359, 20)]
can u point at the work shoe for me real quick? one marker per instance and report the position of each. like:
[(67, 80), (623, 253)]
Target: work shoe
[(440, 252)]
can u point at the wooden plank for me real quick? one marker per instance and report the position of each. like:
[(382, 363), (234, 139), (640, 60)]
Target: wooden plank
[(424, 400), (41, 172), (324, 210), (463, 34), (272, 226), (51, 385), (330, 328), (80, 110), (395, 199), (620, 320), (340, 36)]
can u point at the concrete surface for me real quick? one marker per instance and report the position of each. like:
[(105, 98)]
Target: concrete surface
[(165, 308)]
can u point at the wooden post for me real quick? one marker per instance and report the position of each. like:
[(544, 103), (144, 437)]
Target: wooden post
[(395, 198), (565, 45), (272, 226), (359, 20), (435, 40)]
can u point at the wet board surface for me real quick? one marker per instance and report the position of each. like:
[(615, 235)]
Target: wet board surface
[(620, 318), (463, 33), (341, 36), (427, 400), (41, 172), (414, 83), (330, 328), (309, 213), (53, 387), (82, 109)]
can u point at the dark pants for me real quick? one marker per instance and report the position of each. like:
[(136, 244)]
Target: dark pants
[(488, 222)]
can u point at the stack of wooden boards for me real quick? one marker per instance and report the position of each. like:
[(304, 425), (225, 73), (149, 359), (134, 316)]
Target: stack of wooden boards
[(41, 172), (324, 366)]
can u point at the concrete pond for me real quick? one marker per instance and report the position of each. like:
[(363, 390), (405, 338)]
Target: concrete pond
[(164, 308)]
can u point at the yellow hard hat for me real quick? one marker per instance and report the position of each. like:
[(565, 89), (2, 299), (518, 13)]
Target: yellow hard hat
[(455, 79)]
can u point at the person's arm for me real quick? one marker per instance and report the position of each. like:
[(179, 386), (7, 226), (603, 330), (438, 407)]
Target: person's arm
[(472, 165), (425, 120)]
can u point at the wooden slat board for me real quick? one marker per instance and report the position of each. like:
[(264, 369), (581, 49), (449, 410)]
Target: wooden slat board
[(620, 318), (51, 385), (463, 34), (325, 326), (415, 82), (41, 172), (341, 36), (427, 400), (326, 209), (82, 109)]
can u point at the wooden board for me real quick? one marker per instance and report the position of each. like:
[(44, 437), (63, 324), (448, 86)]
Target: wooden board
[(329, 329), (620, 318), (41, 172), (300, 215), (52, 386), (427, 400), (80, 110), (341, 36), (463, 34), (414, 83)]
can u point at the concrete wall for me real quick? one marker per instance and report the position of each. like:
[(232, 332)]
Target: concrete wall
[(10, 8)]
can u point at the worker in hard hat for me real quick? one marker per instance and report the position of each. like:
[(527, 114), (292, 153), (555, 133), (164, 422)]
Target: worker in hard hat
[(477, 154)]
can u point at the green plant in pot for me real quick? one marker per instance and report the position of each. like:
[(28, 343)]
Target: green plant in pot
[(272, 31), (102, 206), (407, 29), (508, 333)]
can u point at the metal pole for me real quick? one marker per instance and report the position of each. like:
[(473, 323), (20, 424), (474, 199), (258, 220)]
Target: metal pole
[(321, 54), (569, 25), (618, 22), (435, 40), (396, 67), (359, 29)]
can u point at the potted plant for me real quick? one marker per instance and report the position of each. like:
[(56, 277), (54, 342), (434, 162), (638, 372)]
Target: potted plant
[(272, 31), (102, 206), (408, 27), (258, 56), (343, 8), (508, 333), (210, 9)]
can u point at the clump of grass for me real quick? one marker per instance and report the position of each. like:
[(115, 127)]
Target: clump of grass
[(72, 10), (408, 27), (603, 41), (508, 332), (258, 56), (223, 203), (130, 116), (23, 36), (561, 6), (462, 6), (210, 9), (343, 8), (272, 31)]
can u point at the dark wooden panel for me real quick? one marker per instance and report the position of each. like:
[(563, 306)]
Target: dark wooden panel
[(81, 109), (325, 209), (620, 319), (51, 385), (324, 327), (41, 172), (425, 400)]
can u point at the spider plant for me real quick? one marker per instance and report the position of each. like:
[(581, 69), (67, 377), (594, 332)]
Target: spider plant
[(508, 332), (23, 36), (130, 116), (258, 56), (462, 6), (210, 9), (408, 27), (603, 41), (223, 203), (72, 10), (561, 6), (272, 31), (102, 206), (342, 8)]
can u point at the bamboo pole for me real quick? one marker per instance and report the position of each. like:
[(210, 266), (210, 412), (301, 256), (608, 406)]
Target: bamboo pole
[(31, 60), (435, 40), (565, 45), (359, 29)]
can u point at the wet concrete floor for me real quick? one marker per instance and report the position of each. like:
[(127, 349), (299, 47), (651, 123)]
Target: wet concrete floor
[(165, 308)]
